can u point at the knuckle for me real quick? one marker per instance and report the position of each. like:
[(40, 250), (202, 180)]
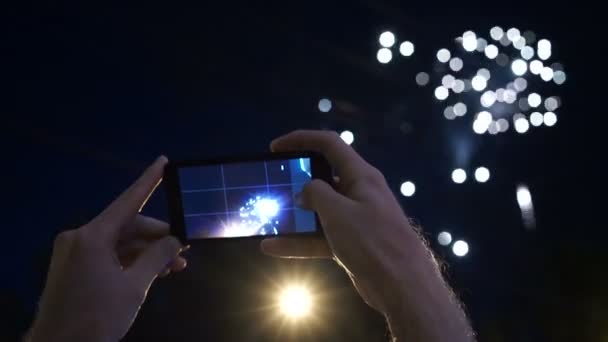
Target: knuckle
[(374, 176)]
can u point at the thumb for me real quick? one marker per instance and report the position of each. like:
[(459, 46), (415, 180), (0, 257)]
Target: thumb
[(154, 260), (319, 196)]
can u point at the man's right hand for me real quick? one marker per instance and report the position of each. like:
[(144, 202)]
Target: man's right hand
[(369, 235)]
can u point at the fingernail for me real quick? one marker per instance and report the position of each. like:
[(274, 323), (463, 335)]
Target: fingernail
[(162, 158), (185, 248), (298, 199)]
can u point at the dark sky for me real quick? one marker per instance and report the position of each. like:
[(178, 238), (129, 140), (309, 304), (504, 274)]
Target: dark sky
[(92, 93)]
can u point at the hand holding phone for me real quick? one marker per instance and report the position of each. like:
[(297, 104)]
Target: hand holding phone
[(242, 197)]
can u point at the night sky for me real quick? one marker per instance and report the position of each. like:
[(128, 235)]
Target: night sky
[(93, 93)]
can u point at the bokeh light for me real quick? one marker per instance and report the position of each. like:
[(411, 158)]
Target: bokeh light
[(536, 67), (496, 32), (527, 52), (387, 39), (521, 125), (485, 73), (543, 49), (459, 176), (406, 48), (534, 100), (513, 34), (458, 86), (519, 67), (491, 51), (422, 78), (479, 83), (407, 189), (559, 77), (550, 119), (460, 248), (520, 84), (482, 174), (448, 81), (481, 44), (444, 238), (469, 41), (456, 64), (519, 43), (443, 55), (384, 55), (503, 124), (488, 98), (502, 59), (536, 119), (348, 137), (295, 302), (324, 105), (460, 109), (546, 74), (551, 103), (441, 93)]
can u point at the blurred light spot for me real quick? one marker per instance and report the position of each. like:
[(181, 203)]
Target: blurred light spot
[(482, 174), (504, 41), (510, 96), (519, 43), (448, 113), (441, 93), (406, 48), (543, 49), (456, 64), (503, 125), (469, 41), (479, 83), (485, 73), (459, 176), (422, 78), (524, 199), (551, 103), (559, 77), (534, 100), (513, 34), (458, 86), (557, 66), (324, 105), (488, 99), (448, 81), (460, 248), (384, 55), (530, 37), (496, 32), (408, 189), (467, 85), (502, 59), (536, 67), (519, 67), (493, 128), (491, 51), (460, 109), (521, 125), (520, 84), (546, 74), (348, 137), (536, 119), (443, 55), (295, 302), (500, 95), (523, 104), (444, 238), (527, 52), (387, 39), (481, 44), (550, 119)]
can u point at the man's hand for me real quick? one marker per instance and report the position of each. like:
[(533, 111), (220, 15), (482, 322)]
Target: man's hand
[(368, 234), (100, 273)]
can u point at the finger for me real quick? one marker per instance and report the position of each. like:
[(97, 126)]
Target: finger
[(130, 202), (178, 264), (164, 273), (154, 260), (348, 163), (296, 248), (319, 196), (146, 228)]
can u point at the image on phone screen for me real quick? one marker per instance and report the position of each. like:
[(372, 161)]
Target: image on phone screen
[(245, 198)]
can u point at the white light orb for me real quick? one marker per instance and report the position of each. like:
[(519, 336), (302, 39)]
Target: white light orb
[(480, 127), (407, 189), (503, 125), (267, 208), (559, 77), (519, 43), (551, 103), (493, 128), (519, 67), (458, 86), (469, 41), (543, 49), (513, 34), (496, 32), (521, 125), (459, 176), (524, 198), (481, 44), (482, 174), (527, 52), (523, 104), (384, 55), (460, 109), (443, 55), (324, 105), (491, 51), (456, 64), (442, 93), (295, 302), (444, 238), (348, 137), (448, 81), (536, 67), (406, 48), (479, 83), (520, 84), (550, 119), (510, 96), (422, 79), (546, 74), (485, 73), (502, 59), (534, 100), (448, 113), (387, 39), (500, 95), (536, 119), (460, 248), (488, 98)]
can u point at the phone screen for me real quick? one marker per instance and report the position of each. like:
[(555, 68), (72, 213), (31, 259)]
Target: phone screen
[(239, 199)]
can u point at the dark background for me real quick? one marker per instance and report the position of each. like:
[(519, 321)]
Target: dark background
[(91, 93)]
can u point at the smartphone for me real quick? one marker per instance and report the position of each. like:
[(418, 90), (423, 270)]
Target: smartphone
[(242, 197)]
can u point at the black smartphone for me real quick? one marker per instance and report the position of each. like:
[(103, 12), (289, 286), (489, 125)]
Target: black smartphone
[(242, 197)]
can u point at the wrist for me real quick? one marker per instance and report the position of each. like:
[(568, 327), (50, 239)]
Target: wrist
[(49, 332)]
